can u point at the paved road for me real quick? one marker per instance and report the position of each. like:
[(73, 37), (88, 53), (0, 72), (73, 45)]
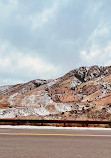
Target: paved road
[(45, 143)]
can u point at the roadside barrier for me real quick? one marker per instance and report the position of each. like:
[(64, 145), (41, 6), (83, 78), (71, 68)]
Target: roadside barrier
[(51, 122)]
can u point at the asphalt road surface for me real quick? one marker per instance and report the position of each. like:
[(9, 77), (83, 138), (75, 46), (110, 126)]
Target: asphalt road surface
[(52, 143)]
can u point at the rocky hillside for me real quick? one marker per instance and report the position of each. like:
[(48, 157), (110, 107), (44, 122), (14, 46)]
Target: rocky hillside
[(83, 93)]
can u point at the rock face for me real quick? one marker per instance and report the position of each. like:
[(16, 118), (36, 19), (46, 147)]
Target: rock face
[(83, 93)]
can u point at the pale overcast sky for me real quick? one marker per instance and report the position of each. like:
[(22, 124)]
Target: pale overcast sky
[(47, 38)]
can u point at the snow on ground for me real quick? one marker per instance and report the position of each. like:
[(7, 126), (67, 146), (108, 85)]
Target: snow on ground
[(51, 82), (11, 99), (75, 82), (53, 127), (22, 111), (4, 89), (63, 107), (34, 104), (37, 98), (109, 110), (30, 111)]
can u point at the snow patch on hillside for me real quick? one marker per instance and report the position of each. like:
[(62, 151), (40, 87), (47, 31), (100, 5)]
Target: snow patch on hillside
[(4, 89), (22, 111), (60, 107), (11, 99)]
